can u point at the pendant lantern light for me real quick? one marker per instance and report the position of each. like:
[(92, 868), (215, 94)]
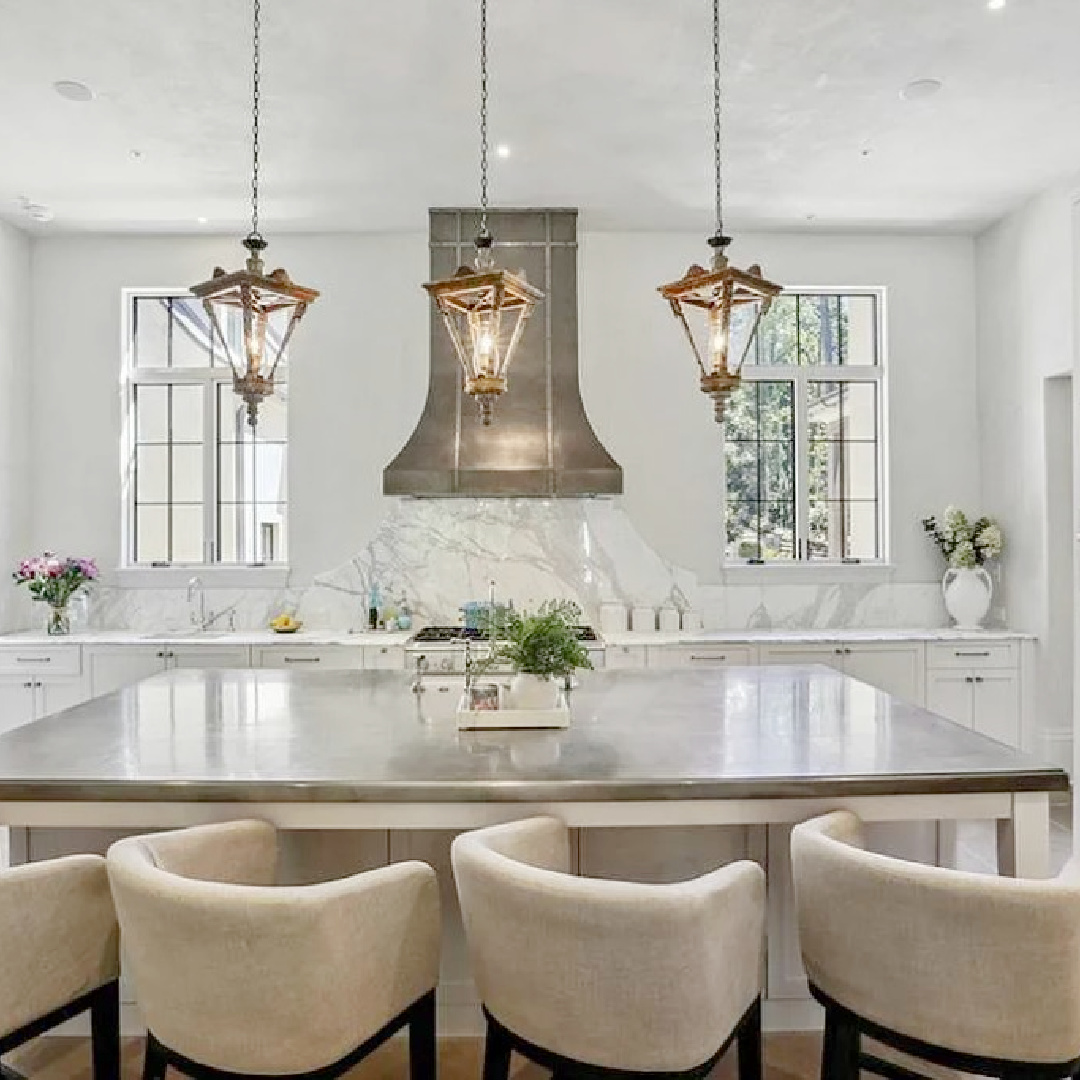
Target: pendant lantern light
[(270, 305), (721, 308), (484, 308)]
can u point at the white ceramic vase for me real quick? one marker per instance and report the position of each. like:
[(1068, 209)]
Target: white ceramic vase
[(534, 692), (967, 592)]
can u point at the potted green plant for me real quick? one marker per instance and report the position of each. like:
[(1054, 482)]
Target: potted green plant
[(542, 648)]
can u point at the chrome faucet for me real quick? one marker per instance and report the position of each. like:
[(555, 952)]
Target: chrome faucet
[(195, 587)]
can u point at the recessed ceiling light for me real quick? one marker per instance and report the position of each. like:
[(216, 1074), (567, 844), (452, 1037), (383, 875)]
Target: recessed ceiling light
[(136, 155), (71, 90), (920, 89), (202, 220), (502, 150), (995, 5)]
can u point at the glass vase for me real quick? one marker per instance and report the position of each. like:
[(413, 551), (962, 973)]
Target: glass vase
[(59, 621)]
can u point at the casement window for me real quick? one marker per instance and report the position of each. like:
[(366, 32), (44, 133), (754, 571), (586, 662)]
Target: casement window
[(200, 487), (804, 443)]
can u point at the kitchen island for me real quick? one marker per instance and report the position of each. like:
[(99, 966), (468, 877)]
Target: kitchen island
[(353, 750)]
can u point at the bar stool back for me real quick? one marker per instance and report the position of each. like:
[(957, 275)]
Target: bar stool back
[(966, 971), (608, 978), (58, 940), (238, 977)]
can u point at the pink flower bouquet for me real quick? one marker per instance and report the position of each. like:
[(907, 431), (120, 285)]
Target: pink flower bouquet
[(55, 580)]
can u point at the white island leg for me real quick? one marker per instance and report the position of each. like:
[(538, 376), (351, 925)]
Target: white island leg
[(1024, 839)]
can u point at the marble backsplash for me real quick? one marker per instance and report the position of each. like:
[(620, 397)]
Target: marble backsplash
[(440, 552)]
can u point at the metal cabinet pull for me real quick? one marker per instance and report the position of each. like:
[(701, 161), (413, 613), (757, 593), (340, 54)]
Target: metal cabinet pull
[(708, 657), (301, 659), (985, 652), (33, 659)]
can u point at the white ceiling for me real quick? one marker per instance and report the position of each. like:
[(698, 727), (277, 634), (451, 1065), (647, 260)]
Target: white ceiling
[(370, 111)]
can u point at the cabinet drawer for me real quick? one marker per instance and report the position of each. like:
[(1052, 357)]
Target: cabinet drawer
[(327, 657), (624, 656), (384, 657), (973, 654), (700, 656), (42, 660)]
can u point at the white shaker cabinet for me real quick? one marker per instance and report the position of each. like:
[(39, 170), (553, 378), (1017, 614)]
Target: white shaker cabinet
[(986, 701), (113, 666), (384, 657), (818, 653), (898, 669), (38, 680), (208, 656), (700, 656), (299, 657), (979, 686)]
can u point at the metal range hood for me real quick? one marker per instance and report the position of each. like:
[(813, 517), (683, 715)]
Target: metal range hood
[(541, 444)]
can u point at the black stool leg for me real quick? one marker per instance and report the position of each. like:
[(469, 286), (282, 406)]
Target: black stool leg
[(155, 1063), (496, 1053), (749, 1044), (840, 1052), (422, 1051), (105, 1032)]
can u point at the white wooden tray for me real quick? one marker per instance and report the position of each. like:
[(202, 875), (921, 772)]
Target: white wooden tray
[(475, 719)]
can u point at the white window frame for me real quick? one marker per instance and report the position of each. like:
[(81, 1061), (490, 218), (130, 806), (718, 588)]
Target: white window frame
[(801, 376), (130, 573)]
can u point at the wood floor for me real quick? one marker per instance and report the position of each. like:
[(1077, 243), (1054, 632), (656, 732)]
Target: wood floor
[(787, 1057)]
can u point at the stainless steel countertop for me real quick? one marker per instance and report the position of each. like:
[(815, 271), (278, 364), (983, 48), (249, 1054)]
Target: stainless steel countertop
[(289, 736)]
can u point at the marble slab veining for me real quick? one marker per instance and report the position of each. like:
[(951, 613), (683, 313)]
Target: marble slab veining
[(284, 736)]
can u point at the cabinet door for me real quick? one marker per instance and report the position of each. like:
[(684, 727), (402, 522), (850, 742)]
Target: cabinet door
[(949, 694), (996, 705), (53, 695), (209, 656), (112, 667), (621, 657), (896, 669), (16, 703)]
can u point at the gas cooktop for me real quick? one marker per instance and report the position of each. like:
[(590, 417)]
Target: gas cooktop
[(449, 635)]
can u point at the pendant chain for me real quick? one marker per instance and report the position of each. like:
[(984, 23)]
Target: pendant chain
[(483, 121), (255, 123), (717, 130)]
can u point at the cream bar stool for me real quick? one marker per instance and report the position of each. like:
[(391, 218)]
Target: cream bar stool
[(238, 977), (966, 971), (58, 941), (606, 978)]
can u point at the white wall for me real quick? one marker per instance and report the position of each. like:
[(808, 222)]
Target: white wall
[(358, 379), (360, 367), (14, 398), (640, 383), (1026, 285)]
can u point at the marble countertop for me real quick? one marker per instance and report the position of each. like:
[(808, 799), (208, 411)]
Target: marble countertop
[(306, 636), (342, 736), (303, 636), (800, 637)]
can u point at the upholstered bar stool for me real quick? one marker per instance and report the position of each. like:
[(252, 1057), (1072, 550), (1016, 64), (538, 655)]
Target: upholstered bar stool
[(238, 977), (599, 978), (58, 941), (966, 971)]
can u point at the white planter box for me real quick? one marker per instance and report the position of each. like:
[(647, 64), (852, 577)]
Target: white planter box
[(487, 719)]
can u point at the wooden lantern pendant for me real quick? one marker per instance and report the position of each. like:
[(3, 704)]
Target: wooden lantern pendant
[(720, 311), (270, 306), (485, 310)]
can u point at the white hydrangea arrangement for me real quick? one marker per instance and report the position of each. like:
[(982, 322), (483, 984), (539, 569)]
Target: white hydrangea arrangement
[(965, 543)]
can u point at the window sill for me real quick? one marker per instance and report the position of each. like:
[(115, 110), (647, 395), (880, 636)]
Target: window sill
[(817, 572), (212, 577)]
